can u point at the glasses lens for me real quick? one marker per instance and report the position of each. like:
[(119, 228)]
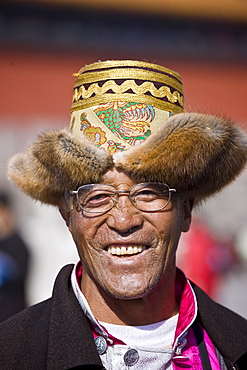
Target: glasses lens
[(150, 196), (96, 198)]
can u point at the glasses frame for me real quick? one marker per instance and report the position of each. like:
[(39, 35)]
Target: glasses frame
[(73, 193)]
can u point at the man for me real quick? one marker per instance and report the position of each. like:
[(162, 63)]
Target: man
[(125, 179)]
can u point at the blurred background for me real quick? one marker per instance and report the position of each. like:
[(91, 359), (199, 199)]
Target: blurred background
[(43, 42)]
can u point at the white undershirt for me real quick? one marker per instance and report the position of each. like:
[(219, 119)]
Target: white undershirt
[(158, 335)]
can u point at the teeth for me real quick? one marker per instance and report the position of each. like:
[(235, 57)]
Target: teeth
[(122, 251)]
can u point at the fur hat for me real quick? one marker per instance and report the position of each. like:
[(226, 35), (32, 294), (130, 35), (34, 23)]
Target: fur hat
[(129, 114)]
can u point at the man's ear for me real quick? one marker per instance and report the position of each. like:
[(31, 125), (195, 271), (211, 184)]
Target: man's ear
[(187, 213), (64, 210)]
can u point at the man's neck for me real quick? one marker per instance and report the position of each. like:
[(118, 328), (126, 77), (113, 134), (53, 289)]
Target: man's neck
[(158, 305)]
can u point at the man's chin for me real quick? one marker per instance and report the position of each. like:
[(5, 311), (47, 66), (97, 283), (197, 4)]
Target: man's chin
[(129, 292)]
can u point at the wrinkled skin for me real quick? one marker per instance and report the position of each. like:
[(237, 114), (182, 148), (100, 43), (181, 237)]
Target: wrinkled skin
[(111, 280)]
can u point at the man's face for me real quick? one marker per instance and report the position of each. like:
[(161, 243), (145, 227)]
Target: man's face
[(154, 235)]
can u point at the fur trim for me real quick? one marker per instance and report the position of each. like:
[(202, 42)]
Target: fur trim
[(195, 153), (55, 162)]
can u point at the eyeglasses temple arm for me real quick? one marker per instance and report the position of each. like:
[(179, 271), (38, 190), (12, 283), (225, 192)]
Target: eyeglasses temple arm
[(71, 197)]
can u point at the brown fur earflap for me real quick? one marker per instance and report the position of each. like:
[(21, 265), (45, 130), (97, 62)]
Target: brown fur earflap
[(57, 161), (195, 153)]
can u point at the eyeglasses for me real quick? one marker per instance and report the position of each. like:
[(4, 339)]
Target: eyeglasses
[(100, 198)]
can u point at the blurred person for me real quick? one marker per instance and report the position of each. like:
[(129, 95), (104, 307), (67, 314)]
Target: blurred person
[(204, 258), (14, 260), (125, 178)]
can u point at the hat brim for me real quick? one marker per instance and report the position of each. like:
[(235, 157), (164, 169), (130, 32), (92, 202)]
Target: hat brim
[(197, 154)]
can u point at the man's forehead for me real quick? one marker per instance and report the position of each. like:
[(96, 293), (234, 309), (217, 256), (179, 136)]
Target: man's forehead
[(117, 177)]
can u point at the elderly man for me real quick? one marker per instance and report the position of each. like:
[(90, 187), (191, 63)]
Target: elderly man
[(125, 179)]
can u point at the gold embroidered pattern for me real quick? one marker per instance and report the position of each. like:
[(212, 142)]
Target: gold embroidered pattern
[(146, 99), (129, 74), (111, 64), (163, 92)]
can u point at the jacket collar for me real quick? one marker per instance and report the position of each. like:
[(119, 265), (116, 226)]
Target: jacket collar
[(70, 341), (221, 324)]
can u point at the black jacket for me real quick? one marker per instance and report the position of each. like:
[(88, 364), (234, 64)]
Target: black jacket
[(55, 334)]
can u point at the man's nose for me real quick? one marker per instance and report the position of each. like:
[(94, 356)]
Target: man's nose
[(124, 217)]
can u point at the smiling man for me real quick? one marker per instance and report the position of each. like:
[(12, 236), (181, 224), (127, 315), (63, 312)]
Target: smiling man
[(128, 253), (125, 178)]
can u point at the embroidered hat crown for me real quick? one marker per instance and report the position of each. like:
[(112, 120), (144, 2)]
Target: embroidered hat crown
[(119, 103)]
